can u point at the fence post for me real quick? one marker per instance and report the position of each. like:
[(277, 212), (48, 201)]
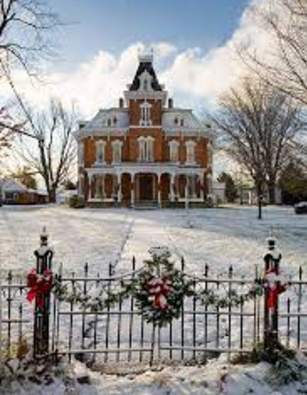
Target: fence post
[(42, 310), (272, 260)]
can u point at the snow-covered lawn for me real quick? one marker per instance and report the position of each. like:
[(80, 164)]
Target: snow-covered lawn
[(218, 237)]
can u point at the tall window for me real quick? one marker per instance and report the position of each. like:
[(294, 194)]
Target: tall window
[(100, 151), (190, 151), (146, 149), (117, 151), (173, 151), (81, 153), (145, 114)]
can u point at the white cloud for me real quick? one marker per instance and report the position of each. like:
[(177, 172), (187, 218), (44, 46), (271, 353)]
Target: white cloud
[(194, 78)]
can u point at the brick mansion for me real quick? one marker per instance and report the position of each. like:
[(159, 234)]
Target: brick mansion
[(146, 151)]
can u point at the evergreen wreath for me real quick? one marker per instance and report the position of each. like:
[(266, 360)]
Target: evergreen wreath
[(160, 288)]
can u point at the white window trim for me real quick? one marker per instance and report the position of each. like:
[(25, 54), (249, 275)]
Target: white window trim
[(190, 144), (145, 114), (173, 145), (146, 149), (103, 144), (81, 153), (117, 144)]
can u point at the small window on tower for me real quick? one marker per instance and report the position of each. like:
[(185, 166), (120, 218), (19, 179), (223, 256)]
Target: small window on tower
[(145, 85)]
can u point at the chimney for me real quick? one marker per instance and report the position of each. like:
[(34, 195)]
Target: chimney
[(121, 102), (170, 103)]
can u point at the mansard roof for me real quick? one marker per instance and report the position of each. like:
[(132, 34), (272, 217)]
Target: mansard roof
[(145, 65)]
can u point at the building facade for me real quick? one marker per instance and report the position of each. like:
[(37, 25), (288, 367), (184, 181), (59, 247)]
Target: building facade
[(145, 151)]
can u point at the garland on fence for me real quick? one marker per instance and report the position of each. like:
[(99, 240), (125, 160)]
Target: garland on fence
[(158, 289)]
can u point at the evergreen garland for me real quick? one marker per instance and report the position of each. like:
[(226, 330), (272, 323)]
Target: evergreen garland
[(159, 290)]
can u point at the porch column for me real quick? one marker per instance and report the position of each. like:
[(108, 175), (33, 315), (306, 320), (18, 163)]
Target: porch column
[(172, 187), (201, 183), (186, 192), (90, 192), (132, 197), (209, 183), (119, 188), (98, 192), (159, 190)]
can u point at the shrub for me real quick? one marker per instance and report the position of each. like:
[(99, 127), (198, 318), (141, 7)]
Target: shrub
[(76, 201)]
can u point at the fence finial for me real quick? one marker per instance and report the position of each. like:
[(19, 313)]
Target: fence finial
[(44, 237)]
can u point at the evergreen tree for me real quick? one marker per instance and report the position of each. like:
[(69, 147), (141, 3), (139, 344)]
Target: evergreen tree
[(231, 191)]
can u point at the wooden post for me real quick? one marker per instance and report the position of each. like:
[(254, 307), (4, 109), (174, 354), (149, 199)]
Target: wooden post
[(42, 311), (272, 260)]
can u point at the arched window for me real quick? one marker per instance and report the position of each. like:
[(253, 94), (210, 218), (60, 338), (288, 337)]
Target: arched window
[(145, 114), (117, 151), (100, 151), (146, 149), (190, 151), (173, 151), (145, 85)]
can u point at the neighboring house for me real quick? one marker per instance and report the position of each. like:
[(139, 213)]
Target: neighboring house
[(13, 192), (218, 192), (64, 196), (145, 150), (249, 196)]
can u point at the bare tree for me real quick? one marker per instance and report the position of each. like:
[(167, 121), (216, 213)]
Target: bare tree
[(285, 65), (53, 156), (256, 124), (26, 28), (25, 33)]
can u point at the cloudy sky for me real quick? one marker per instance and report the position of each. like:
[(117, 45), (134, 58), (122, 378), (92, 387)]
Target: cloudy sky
[(193, 43)]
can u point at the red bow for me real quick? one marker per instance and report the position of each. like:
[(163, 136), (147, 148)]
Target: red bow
[(274, 289), (159, 288), (40, 285)]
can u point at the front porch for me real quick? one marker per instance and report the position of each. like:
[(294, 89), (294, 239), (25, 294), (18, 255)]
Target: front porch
[(148, 185)]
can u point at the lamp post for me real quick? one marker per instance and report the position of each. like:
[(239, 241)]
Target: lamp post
[(260, 199)]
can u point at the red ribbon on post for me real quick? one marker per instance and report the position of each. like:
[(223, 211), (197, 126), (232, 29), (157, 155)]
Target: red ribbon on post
[(275, 288), (40, 285)]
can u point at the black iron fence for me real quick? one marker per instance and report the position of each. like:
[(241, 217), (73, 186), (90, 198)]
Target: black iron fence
[(120, 333)]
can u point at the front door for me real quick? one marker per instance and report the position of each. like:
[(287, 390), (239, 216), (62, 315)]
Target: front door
[(146, 187)]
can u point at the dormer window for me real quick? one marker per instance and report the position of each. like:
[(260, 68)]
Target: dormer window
[(100, 152), (173, 150), (117, 151), (145, 85), (145, 114), (145, 81), (146, 149), (176, 121), (181, 122), (109, 122), (190, 151), (114, 120)]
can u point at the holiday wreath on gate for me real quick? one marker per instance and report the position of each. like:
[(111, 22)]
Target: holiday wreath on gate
[(160, 288)]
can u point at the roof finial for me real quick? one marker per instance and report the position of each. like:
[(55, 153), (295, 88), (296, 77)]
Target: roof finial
[(145, 55)]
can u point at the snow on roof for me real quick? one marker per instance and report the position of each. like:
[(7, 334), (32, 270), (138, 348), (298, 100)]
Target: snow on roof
[(10, 185)]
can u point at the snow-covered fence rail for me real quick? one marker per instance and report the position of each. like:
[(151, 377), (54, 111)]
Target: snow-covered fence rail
[(16, 316), (225, 320), (158, 311)]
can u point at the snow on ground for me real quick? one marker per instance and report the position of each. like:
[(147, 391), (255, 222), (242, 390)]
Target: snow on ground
[(217, 377), (218, 237)]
